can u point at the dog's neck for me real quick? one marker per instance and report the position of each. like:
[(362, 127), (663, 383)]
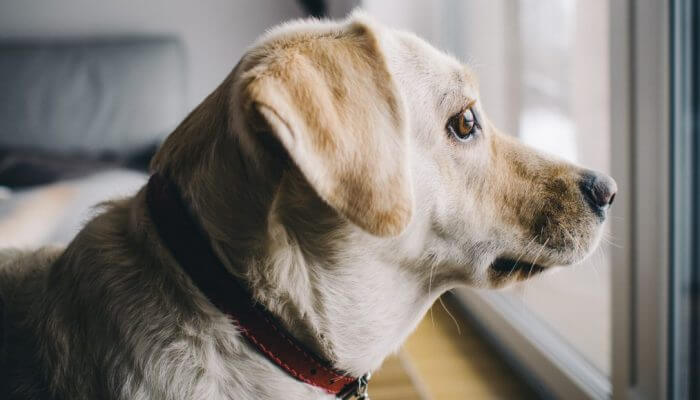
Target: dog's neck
[(351, 304)]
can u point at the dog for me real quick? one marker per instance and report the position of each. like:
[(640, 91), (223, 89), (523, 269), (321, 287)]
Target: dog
[(346, 175)]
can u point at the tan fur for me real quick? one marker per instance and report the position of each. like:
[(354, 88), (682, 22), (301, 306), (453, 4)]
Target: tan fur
[(313, 92)]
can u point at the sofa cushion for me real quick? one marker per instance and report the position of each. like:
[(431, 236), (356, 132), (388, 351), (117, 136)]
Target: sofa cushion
[(112, 95)]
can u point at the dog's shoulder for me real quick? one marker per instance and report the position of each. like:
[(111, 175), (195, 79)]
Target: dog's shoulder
[(18, 264), (19, 268), (22, 269), (21, 275)]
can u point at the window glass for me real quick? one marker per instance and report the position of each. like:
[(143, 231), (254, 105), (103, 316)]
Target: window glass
[(543, 71)]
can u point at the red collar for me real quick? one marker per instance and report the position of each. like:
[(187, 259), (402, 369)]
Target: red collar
[(190, 246)]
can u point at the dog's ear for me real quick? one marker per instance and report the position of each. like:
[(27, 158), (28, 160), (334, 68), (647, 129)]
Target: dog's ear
[(332, 104)]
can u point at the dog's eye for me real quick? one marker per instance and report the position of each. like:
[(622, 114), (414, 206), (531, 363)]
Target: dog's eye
[(464, 125)]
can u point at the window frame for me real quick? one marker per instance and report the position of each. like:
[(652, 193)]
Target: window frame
[(641, 122), (685, 150)]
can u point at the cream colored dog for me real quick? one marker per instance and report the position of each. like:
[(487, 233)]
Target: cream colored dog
[(348, 175)]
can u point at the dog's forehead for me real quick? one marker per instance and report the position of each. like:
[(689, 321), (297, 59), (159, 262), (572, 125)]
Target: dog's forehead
[(415, 51), (425, 69)]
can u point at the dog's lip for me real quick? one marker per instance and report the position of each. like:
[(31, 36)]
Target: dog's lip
[(509, 266)]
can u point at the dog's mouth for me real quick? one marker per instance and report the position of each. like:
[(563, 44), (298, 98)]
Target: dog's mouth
[(504, 267)]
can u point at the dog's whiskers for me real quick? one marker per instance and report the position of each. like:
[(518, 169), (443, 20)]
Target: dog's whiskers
[(521, 256), (573, 240), (532, 265), (459, 331), (608, 238), (611, 243), (430, 287), (537, 257), (594, 265), (534, 262)]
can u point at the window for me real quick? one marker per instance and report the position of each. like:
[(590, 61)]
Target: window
[(612, 85), (564, 110), (543, 70)]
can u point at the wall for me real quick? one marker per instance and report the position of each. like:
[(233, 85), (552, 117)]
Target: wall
[(215, 32), (418, 16)]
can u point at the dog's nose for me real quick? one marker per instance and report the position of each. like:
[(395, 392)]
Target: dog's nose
[(599, 189)]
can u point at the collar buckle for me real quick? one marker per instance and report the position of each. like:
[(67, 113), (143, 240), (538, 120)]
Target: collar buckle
[(358, 390)]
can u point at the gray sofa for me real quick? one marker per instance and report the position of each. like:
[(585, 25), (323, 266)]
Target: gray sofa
[(99, 100)]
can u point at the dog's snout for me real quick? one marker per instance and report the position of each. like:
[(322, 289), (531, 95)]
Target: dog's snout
[(598, 189)]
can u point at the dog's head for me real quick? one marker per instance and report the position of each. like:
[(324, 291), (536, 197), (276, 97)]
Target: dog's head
[(373, 131)]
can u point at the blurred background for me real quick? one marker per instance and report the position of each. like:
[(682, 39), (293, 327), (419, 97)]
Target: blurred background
[(89, 89)]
